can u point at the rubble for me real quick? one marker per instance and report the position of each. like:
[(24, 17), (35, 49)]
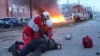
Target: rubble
[(68, 36)]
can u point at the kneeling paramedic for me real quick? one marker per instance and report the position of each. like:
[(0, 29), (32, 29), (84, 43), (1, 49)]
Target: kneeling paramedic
[(37, 37)]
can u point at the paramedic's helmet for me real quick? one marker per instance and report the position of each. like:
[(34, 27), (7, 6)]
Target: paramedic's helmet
[(46, 15)]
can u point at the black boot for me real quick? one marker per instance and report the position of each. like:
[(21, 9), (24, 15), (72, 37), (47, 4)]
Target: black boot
[(13, 50), (58, 46), (53, 45), (36, 53), (16, 43)]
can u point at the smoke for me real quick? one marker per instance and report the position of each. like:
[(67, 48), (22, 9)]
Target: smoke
[(40, 5)]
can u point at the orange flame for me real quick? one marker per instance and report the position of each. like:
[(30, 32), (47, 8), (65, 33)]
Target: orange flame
[(57, 18)]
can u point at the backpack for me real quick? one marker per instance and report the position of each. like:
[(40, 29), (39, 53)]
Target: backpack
[(87, 42)]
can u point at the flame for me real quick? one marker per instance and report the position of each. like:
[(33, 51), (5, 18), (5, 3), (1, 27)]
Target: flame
[(43, 5), (57, 18)]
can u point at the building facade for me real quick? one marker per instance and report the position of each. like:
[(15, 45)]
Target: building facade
[(10, 10), (3, 8)]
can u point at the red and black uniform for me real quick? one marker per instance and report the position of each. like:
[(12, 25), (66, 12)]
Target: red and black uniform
[(33, 37), (31, 31)]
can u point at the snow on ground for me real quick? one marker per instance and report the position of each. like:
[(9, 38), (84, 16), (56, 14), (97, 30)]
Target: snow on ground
[(71, 47)]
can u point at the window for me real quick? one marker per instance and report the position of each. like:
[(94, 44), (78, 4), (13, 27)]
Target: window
[(14, 8), (21, 10)]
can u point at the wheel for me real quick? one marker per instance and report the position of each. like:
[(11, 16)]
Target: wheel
[(2, 26), (8, 26)]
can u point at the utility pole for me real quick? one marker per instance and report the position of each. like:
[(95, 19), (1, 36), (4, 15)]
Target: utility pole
[(7, 8), (67, 4), (30, 4), (78, 2)]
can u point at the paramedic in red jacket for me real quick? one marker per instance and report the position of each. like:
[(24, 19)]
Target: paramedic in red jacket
[(31, 31), (38, 27)]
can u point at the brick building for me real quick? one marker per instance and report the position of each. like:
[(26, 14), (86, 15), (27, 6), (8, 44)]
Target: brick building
[(3, 7), (10, 10)]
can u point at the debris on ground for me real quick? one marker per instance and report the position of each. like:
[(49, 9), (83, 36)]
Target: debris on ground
[(97, 53), (68, 36)]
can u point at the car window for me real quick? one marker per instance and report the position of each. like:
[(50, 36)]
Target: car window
[(21, 19), (1, 21), (26, 19), (5, 19)]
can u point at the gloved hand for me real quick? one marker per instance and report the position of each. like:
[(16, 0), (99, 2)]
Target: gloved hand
[(45, 37)]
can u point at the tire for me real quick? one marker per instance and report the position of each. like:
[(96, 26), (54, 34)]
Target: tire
[(76, 20), (7, 26), (2, 26)]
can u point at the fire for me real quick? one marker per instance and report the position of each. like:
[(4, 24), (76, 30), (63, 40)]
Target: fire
[(57, 18), (43, 5)]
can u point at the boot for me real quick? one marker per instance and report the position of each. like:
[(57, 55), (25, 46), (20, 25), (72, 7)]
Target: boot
[(13, 50), (58, 46), (53, 45)]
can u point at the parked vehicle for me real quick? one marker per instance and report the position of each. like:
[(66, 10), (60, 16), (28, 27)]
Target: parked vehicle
[(10, 21), (23, 21), (14, 22), (3, 24)]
